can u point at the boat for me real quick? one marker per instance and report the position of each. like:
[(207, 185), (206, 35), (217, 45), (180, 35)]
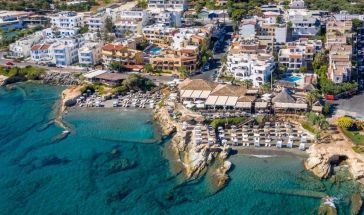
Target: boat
[(66, 132)]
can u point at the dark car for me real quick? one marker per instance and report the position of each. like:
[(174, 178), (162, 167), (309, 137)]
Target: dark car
[(9, 63), (51, 65)]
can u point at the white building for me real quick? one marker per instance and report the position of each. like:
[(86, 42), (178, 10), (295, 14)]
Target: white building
[(247, 28), (22, 47), (66, 19), (172, 5), (131, 22), (255, 67), (297, 4), (299, 53), (66, 50), (51, 33), (42, 53), (168, 18), (96, 22), (304, 23), (89, 53), (183, 38)]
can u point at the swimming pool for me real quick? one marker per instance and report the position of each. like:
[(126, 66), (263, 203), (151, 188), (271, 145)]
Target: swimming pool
[(293, 78), (155, 51)]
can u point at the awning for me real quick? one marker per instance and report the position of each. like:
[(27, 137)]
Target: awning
[(205, 94), (261, 105), (196, 94), (211, 100), (221, 100), (231, 101), (290, 105), (244, 105), (187, 93)]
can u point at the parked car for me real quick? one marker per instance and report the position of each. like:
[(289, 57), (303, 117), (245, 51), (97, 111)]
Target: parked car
[(51, 65), (9, 63)]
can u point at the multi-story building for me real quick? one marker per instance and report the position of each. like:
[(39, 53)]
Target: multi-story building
[(168, 18), (247, 28), (66, 50), (358, 52), (173, 5), (189, 36), (89, 53), (51, 33), (340, 63), (338, 32), (299, 53), (42, 52), (21, 48), (131, 22), (255, 67), (159, 34), (303, 23), (297, 4), (66, 19), (121, 53), (173, 60), (96, 22)]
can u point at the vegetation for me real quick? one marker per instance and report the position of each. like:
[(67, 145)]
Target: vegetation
[(353, 6), (237, 9), (137, 82), (183, 72), (11, 36), (148, 68), (355, 136), (83, 29), (116, 66), (319, 65), (230, 121), (93, 87), (142, 4), (81, 7), (345, 122), (312, 97), (317, 120), (16, 74)]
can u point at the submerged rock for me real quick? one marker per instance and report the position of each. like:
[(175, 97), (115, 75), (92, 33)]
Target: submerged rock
[(327, 207), (355, 204), (119, 165)]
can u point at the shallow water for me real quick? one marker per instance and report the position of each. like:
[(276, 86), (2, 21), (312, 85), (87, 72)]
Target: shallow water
[(114, 163)]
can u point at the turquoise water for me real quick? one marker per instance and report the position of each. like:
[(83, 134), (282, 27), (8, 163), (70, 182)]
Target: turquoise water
[(293, 78), (114, 163), (155, 51)]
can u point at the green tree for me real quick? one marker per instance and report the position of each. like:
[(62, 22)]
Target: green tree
[(116, 66), (108, 24), (312, 97), (302, 69), (247, 83), (183, 72), (83, 29), (148, 68), (142, 4)]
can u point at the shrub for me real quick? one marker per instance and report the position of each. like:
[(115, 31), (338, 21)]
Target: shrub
[(345, 122)]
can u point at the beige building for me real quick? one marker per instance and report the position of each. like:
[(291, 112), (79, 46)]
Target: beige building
[(340, 63), (121, 53), (172, 60)]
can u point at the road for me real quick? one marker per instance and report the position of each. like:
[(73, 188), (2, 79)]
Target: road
[(215, 65), (353, 106), (23, 64)]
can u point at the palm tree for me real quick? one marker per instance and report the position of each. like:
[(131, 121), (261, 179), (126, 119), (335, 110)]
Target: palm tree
[(247, 83), (312, 97)]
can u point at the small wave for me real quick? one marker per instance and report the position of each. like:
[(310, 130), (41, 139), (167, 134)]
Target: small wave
[(264, 156)]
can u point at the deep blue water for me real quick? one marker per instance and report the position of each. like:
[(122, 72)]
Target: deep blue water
[(114, 163)]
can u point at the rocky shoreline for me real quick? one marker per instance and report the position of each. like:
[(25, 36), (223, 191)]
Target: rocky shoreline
[(60, 78), (195, 160)]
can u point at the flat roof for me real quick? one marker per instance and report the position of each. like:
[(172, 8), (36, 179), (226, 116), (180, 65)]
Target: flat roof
[(95, 73)]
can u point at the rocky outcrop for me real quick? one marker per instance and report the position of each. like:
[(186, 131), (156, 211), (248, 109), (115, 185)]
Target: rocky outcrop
[(322, 157), (196, 160), (60, 78)]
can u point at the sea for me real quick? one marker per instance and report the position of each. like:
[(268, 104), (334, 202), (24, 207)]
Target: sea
[(115, 162)]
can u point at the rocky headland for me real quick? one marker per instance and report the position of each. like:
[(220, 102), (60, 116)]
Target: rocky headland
[(60, 78), (195, 160)]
